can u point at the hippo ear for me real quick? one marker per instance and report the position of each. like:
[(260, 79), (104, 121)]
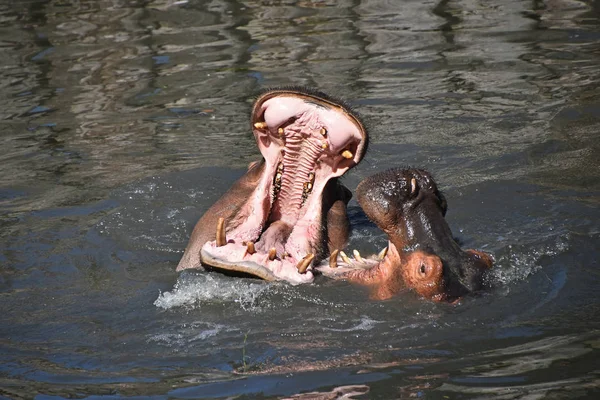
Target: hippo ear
[(485, 260), (424, 273)]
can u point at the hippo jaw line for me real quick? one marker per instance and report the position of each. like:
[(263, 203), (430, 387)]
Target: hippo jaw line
[(421, 272), (306, 140)]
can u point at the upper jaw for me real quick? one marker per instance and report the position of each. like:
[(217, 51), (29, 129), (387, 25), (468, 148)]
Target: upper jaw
[(305, 140), (336, 113), (286, 115)]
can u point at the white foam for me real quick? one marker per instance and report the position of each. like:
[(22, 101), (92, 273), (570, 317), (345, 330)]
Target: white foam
[(194, 290)]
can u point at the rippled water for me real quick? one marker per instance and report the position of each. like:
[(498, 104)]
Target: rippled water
[(121, 121)]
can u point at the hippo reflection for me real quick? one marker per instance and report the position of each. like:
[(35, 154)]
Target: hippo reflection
[(286, 219)]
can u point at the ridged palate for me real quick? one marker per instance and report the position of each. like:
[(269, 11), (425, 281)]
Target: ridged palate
[(299, 161)]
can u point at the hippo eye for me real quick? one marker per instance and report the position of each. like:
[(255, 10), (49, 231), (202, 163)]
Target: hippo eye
[(413, 187)]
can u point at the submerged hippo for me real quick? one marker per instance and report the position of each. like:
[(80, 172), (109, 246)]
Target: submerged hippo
[(422, 254), (288, 211)]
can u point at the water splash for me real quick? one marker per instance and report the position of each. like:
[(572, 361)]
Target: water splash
[(194, 290), (517, 262)]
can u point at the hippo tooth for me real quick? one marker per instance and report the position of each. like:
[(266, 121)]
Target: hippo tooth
[(277, 181), (382, 253), (305, 262), (347, 154), (333, 259), (357, 256), (272, 253), (345, 258), (260, 125), (250, 248), (323, 132), (308, 186), (280, 131), (221, 238), (324, 145), (413, 185)]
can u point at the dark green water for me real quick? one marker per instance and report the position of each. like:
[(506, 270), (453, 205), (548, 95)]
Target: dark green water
[(121, 121)]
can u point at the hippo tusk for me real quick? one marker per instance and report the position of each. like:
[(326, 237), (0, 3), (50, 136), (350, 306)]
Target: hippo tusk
[(382, 253), (250, 248), (260, 125), (357, 256), (304, 263), (221, 238), (347, 154), (333, 259), (272, 253), (345, 258)]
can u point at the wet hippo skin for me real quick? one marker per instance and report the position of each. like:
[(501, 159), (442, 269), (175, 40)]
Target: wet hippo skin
[(422, 254), (286, 217), (288, 212)]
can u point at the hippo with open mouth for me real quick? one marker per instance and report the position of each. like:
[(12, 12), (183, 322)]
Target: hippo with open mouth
[(288, 211), (422, 253), (285, 219)]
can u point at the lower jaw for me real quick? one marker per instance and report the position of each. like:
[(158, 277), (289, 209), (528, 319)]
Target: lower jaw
[(235, 258), (340, 264)]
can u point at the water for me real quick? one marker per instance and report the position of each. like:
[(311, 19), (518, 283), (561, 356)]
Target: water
[(121, 121)]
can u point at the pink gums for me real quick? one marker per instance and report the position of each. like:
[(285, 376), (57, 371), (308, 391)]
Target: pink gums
[(292, 216)]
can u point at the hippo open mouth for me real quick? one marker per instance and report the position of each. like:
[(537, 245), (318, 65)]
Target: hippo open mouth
[(278, 219), (422, 253)]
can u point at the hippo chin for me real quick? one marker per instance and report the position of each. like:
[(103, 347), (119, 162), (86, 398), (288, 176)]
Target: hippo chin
[(422, 254), (289, 210)]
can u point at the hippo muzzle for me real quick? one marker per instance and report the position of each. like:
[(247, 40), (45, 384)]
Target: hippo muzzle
[(422, 253)]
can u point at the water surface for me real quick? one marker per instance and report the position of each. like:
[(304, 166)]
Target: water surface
[(122, 121)]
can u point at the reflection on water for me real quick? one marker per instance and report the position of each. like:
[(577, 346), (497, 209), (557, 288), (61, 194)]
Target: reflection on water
[(123, 120), (512, 365)]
